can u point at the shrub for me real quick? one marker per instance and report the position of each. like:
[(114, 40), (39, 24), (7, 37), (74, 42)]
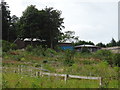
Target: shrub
[(69, 56), (50, 52), (105, 55), (29, 48), (7, 46), (116, 59), (13, 46), (39, 51)]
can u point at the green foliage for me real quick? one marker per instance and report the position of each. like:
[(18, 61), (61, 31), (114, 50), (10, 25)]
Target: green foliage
[(47, 82), (52, 82), (118, 43), (50, 52), (29, 48), (105, 55), (69, 56), (13, 46), (105, 83), (0, 51), (68, 36), (68, 62), (101, 44), (7, 46), (80, 42), (45, 24), (89, 62), (18, 57), (112, 43), (34, 85), (5, 20), (40, 51), (13, 28), (4, 83), (116, 59)]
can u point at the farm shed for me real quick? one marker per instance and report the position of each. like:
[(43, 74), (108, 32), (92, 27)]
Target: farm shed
[(20, 43), (66, 46), (91, 48), (115, 49), (35, 42)]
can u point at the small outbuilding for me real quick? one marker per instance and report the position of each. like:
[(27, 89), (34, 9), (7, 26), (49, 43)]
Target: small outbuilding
[(66, 46), (20, 43), (91, 48)]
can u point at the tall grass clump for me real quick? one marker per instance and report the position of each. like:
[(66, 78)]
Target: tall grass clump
[(69, 57)]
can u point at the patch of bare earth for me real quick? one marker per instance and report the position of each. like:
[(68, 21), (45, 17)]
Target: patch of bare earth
[(10, 61)]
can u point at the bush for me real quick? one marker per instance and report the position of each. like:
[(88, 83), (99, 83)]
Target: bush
[(105, 55), (13, 46), (7, 46), (116, 59), (69, 56), (39, 51), (29, 48), (50, 52)]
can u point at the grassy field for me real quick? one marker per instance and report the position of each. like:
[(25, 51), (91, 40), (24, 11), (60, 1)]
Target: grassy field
[(82, 64), (21, 81)]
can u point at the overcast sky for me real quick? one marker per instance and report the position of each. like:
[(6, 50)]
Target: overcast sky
[(92, 20)]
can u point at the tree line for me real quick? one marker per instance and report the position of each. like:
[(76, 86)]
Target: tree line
[(45, 24)]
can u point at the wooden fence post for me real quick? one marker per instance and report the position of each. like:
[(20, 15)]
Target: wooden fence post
[(66, 76), (41, 73), (101, 81)]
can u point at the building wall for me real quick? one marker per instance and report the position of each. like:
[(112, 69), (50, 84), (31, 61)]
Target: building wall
[(67, 47), (91, 49)]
